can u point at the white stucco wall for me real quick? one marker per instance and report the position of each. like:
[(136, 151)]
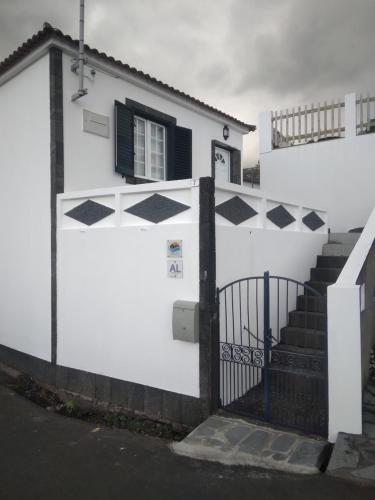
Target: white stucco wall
[(338, 174), (25, 257), (250, 249), (351, 335), (115, 299), (89, 159), (257, 245)]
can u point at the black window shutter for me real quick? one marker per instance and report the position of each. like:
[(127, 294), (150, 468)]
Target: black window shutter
[(124, 133), (182, 167), (235, 169)]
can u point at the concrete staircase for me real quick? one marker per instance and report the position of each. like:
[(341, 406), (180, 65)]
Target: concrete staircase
[(298, 372), (299, 361)]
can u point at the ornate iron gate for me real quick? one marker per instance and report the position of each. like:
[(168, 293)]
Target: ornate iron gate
[(272, 367)]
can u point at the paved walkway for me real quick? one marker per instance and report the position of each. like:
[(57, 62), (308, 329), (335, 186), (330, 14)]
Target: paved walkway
[(46, 456), (353, 456), (234, 441)]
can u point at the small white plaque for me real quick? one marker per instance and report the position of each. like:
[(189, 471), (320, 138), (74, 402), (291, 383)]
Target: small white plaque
[(174, 249), (95, 123), (175, 268)]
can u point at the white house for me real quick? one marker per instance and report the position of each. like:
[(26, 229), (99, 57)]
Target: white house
[(136, 269)]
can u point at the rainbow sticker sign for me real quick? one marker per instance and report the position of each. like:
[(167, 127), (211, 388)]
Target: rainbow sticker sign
[(174, 248)]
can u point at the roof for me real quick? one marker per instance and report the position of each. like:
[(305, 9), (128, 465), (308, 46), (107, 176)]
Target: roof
[(49, 32)]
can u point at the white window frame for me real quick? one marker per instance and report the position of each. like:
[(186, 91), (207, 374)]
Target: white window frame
[(148, 124)]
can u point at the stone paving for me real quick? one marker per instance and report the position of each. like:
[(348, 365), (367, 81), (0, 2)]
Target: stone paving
[(235, 441), (369, 410), (353, 456)]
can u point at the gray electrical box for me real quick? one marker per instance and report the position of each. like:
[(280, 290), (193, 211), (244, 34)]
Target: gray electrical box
[(185, 322)]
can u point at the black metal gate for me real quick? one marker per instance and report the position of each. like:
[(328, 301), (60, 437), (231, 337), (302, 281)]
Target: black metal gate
[(273, 363)]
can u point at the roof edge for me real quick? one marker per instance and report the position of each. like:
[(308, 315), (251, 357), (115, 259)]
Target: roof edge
[(49, 32)]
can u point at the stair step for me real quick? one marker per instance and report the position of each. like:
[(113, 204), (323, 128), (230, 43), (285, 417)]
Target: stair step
[(306, 319), (337, 249), (303, 337), (311, 303), (300, 358), (319, 286), (285, 409), (325, 273), (344, 238), (297, 386), (331, 261)]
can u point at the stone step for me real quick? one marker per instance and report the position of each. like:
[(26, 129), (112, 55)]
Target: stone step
[(325, 274), (236, 441), (311, 303), (344, 238), (337, 249), (312, 360), (331, 261), (308, 319), (301, 387), (319, 286), (303, 337)]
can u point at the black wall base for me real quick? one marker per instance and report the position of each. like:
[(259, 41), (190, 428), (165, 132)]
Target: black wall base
[(155, 403)]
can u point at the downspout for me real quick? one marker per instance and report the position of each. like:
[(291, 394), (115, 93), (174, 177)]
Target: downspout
[(81, 56)]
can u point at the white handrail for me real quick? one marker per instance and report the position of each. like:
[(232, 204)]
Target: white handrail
[(350, 273)]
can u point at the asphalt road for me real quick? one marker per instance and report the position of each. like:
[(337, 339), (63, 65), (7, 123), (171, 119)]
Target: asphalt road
[(47, 456)]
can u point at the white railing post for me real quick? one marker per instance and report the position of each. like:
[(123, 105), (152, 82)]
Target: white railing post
[(344, 360), (350, 115), (265, 132)]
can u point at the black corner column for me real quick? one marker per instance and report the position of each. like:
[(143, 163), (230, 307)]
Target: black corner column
[(57, 173), (208, 335)]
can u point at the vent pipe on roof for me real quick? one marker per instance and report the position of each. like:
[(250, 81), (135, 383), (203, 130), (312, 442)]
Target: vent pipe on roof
[(81, 55)]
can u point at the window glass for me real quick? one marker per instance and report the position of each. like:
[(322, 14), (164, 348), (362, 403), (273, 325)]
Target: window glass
[(149, 149), (139, 146), (157, 151)]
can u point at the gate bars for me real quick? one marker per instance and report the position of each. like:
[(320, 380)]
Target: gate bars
[(247, 338)]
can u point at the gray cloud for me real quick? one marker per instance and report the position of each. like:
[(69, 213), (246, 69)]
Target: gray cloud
[(242, 56)]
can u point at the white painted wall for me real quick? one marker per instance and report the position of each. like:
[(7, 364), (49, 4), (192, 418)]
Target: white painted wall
[(252, 248), (114, 296), (257, 245), (349, 341), (338, 174), (89, 159), (25, 258)]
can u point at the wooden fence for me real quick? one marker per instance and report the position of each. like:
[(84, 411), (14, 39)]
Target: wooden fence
[(308, 124), (365, 115), (317, 122)]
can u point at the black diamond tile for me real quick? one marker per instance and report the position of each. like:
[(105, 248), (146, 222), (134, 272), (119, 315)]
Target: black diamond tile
[(89, 212), (280, 216), (236, 210), (313, 221), (157, 208)]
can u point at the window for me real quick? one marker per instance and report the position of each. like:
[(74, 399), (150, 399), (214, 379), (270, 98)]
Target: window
[(149, 145), (149, 149)]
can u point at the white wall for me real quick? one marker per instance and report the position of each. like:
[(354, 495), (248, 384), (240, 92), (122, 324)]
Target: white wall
[(114, 296), (257, 245), (89, 159), (25, 257), (248, 250), (338, 174), (349, 338)]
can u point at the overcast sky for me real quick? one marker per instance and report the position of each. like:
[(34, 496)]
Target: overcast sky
[(241, 56)]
